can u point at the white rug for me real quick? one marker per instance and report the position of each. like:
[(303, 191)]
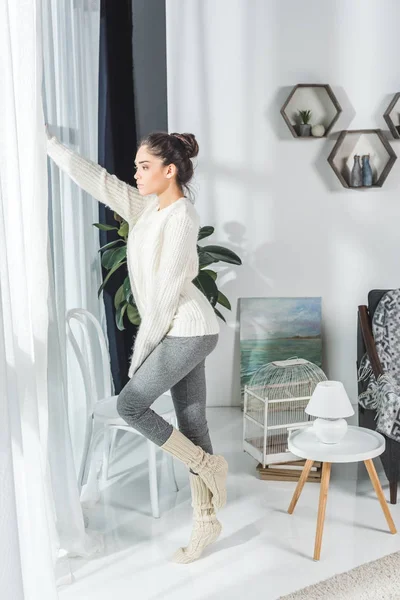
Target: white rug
[(376, 580)]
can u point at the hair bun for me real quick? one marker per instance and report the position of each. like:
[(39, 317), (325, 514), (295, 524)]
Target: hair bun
[(190, 143)]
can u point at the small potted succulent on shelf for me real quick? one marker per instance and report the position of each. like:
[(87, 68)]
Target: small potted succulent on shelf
[(304, 125)]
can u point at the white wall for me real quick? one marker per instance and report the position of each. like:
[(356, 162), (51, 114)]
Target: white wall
[(272, 198)]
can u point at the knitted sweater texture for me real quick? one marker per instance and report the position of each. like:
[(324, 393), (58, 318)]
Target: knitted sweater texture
[(162, 255)]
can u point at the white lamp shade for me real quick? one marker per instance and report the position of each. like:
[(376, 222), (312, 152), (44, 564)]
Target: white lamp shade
[(329, 401)]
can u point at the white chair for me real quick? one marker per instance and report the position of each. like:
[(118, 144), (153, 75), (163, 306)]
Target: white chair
[(103, 411)]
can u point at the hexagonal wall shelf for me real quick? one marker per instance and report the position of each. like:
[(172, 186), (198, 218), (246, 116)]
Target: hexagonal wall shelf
[(392, 116), (317, 97), (362, 141)]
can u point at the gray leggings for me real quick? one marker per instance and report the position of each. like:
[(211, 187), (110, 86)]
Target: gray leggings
[(176, 364)]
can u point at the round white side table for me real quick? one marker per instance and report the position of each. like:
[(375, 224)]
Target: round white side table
[(358, 444)]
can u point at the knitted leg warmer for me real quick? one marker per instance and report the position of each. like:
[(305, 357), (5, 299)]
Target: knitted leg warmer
[(212, 468), (206, 527)]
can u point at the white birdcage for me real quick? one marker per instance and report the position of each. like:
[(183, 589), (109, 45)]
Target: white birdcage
[(274, 403)]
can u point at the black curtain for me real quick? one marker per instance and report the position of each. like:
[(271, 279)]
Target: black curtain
[(117, 150)]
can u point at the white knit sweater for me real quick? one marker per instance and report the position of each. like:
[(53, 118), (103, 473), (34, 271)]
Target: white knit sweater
[(162, 255)]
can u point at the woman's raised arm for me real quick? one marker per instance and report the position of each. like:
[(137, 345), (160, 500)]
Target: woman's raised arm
[(121, 197)]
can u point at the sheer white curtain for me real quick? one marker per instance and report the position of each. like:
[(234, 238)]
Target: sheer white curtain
[(25, 478), (71, 31), (48, 264), (70, 34)]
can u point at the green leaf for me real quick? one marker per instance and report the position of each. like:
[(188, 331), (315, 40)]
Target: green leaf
[(106, 258), (117, 266), (219, 314), (119, 316), (207, 285), (206, 259), (113, 257), (305, 116), (109, 245), (221, 253), (212, 274), (104, 227), (133, 314), (127, 289), (119, 297), (205, 232), (223, 300), (124, 229)]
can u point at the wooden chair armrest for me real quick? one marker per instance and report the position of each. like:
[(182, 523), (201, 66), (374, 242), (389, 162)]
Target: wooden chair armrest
[(366, 330)]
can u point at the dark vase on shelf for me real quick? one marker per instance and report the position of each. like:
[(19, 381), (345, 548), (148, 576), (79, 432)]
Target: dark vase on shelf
[(366, 171), (304, 130), (356, 173)]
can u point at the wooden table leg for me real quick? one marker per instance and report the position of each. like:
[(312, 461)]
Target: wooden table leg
[(379, 492), (323, 495), (300, 485)]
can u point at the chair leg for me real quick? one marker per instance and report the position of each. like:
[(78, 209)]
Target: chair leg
[(155, 509), (114, 431), (171, 472), (170, 460), (90, 492), (393, 492), (106, 454), (89, 455), (86, 450)]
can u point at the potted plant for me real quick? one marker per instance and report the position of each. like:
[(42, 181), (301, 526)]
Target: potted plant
[(114, 257), (304, 125)]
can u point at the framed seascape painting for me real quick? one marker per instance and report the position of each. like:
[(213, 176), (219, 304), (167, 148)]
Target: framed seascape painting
[(278, 329)]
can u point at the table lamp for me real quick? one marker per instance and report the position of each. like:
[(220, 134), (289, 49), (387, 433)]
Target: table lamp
[(330, 404)]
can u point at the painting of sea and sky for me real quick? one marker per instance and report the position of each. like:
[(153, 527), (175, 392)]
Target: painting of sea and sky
[(278, 329)]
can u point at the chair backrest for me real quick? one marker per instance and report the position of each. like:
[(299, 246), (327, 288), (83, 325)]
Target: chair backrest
[(368, 339), (386, 330), (364, 329), (374, 297), (85, 357)]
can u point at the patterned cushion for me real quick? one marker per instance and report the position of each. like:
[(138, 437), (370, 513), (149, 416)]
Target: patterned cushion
[(384, 394)]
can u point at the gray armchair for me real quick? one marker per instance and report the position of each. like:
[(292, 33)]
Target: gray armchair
[(365, 343)]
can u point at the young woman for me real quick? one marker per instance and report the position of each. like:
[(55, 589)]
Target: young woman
[(178, 327)]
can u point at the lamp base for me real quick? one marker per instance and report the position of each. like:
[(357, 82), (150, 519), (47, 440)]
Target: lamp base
[(330, 431)]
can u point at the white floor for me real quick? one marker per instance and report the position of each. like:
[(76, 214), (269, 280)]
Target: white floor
[(262, 551)]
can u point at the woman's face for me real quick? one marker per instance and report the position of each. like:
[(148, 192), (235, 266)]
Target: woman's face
[(152, 177)]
